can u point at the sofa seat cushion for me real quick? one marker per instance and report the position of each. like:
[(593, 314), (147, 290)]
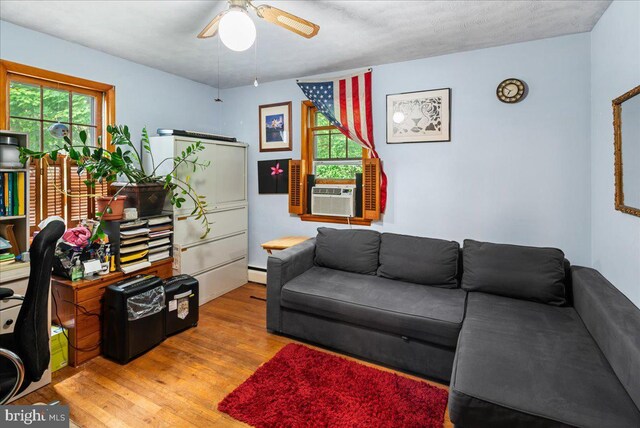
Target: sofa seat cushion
[(522, 363), (425, 313)]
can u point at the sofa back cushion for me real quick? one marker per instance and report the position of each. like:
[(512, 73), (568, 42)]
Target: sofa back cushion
[(527, 273), (419, 260), (351, 250), (614, 323)]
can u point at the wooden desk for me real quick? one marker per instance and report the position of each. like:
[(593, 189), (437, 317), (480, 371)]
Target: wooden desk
[(283, 243), (78, 306)]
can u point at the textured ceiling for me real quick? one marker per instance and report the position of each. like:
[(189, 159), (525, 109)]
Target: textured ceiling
[(162, 34)]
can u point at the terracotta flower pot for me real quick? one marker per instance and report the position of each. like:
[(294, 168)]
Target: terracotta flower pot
[(115, 208)]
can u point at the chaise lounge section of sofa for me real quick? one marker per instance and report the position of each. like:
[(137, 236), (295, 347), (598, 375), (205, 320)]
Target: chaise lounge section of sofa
[(525, 339)]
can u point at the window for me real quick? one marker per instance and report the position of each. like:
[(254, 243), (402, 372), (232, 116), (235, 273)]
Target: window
[(36, 105), (336, 158), (333, 159), (37, 99)]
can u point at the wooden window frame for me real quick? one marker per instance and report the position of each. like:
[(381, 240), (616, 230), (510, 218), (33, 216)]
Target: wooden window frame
[(307, 152), (307, 158), (105, 113)]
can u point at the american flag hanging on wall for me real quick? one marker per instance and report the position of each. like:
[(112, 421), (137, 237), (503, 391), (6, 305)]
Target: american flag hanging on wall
[(346, 103)]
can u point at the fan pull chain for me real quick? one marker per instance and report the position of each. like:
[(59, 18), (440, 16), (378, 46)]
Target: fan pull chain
[(218, 100), (255, 58)]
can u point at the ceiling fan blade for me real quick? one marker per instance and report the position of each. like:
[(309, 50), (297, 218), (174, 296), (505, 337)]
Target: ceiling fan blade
[(288, 21), (212, 28)]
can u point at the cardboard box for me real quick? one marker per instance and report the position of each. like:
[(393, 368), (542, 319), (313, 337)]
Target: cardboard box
[(59, 348)]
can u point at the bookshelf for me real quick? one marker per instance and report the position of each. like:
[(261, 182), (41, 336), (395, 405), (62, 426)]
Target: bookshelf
[(16, 275), (18, 223)]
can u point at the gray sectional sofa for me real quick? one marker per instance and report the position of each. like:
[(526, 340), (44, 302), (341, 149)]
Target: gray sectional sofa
[(523, 338)]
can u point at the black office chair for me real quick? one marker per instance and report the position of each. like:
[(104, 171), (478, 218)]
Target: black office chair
[(24, 354)]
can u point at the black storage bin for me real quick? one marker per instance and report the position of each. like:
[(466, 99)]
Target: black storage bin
[(133, 317), (182, 303)]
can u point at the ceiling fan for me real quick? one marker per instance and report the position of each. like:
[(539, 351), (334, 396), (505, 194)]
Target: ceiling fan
[(238, 32)]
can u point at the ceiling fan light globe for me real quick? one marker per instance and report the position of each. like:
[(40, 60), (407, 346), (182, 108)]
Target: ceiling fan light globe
[(237, 30)]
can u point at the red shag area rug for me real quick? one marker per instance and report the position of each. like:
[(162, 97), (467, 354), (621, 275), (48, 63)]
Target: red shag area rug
[(302, 387)]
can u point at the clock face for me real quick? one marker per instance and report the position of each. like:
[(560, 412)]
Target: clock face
[(511, 91)]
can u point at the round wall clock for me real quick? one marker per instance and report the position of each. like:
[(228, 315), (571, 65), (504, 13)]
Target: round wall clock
[(511, 91)]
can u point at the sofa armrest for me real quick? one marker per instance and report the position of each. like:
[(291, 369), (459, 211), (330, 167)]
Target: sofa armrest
[(613, 321), (282, 268)]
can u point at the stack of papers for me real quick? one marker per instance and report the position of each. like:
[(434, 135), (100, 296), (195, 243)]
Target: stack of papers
[(6, 258), (143, 242), (159, 220), (129, 233), (136, 256), (159, 242), (159, 256), (160, 233), (132, 267), (133, 224), (133, 248)]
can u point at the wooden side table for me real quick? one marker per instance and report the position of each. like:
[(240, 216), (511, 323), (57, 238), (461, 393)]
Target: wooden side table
[(78, 306), (283, 243)]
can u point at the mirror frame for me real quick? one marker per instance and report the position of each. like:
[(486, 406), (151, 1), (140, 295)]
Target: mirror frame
[(617, 143)]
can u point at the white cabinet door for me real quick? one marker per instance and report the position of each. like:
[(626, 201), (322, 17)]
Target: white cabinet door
[(230, 170), (203, 181), (188, 229), (8, 318), (223, 183), (217, 282), (199, 258)]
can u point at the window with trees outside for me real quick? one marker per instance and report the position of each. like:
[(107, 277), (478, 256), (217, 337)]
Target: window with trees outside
[(37, 99), (333, 159)]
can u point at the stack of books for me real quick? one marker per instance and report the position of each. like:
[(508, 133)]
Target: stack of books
[(12, 194), (6, 259), (160, 230), (134, 246)]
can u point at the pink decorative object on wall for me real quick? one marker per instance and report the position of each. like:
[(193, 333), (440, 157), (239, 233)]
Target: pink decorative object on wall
[(275, 170)]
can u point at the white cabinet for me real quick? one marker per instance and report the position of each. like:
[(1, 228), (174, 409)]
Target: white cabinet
[(218, 261)]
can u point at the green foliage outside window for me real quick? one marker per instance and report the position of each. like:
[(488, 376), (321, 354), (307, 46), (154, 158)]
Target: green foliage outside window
[(321, 120), (342, 172), (32, 108), (333, 145)]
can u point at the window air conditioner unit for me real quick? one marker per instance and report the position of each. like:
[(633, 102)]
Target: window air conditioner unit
[(333, 200)]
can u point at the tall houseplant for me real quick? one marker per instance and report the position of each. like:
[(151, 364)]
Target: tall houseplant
[(99, 165)]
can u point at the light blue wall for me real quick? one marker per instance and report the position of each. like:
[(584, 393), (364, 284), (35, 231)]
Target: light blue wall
[(615, 69), (144, 96), (512, 173)]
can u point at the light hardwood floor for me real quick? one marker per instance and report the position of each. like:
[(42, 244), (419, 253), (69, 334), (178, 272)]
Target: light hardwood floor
[(180, 382)]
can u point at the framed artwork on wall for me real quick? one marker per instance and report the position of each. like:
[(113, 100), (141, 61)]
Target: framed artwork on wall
[(273, 176), (419, 117), (275, 127)]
